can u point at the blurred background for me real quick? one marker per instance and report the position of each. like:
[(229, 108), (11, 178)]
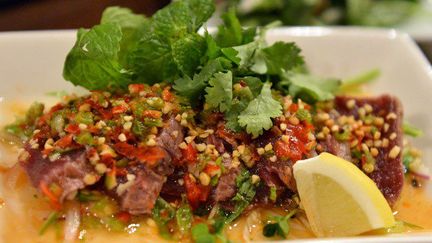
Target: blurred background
[(411, 16)]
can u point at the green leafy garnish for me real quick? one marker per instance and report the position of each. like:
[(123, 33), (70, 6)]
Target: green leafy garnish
[(257, 115), (184, 217), (279, 225), (162, 213), (245, 193), (219, 94), (23, 127), (51, 219), (201, 234), (130, 48), (410, 130)]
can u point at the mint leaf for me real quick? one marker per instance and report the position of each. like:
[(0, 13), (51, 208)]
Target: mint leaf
[(187, 52), (93, 61), (219, 94), (124, 17), (172, 48), (133, 26), (257, 116), (310, 88), (181, 17), (152, 59), (193, 88)]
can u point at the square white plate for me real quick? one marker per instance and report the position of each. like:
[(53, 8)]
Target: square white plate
[(31, 65)]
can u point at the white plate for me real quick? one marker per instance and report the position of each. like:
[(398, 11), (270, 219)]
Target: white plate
[(31, 65)]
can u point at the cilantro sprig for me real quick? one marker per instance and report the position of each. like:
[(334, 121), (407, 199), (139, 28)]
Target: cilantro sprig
[(203, 69)]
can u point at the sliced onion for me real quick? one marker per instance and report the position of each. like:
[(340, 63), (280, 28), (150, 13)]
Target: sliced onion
[(72, 222), (421, 171), (421, 175)]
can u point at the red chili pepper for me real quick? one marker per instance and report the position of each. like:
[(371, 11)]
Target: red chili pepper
[(212, 169), (65, 141), (190, 154), (119, 109), (150, 155), (72, 128), (195, 193), (136, 88), (124, 217), (293, 108), (54, 199), (167, 95), (152, 114)]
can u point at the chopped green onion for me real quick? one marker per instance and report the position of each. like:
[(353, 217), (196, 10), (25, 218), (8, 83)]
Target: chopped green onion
[(410, 130), (52, 218), (273, 194), (355, 82), (304, 115)]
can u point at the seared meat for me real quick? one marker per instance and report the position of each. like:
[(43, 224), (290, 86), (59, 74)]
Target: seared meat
[(140, 197), (388, 172), (226, 188), (340, 149), (170, 137), (67, 172)]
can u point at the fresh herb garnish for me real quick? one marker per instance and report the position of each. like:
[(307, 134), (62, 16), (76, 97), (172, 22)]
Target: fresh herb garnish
[(184, 217), (410, 130), (162, 213), (245, 193), (130, 48), (279, 225), (51, 219)]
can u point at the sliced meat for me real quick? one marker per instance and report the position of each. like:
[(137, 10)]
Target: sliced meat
[(170, 137), (67, 172), (388, 173), (226, 188), (342, 150), (172, 189), (217, 142), (140, 197)]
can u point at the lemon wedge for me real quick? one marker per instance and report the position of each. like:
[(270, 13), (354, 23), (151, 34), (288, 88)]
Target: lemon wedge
[(339, 199)]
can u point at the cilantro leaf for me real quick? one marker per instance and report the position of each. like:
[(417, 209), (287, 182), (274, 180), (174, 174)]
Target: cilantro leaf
[(201, 234), (279, 225), (219, 94), (93, 61), (230, 33), (279, 57), (309, 88), (193, 88), (257, 116), (213, 50)]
